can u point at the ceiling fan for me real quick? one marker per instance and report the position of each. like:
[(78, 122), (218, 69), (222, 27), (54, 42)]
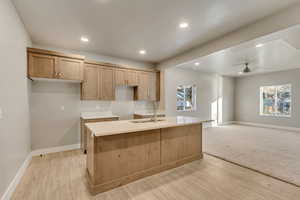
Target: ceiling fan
[(247, 68)]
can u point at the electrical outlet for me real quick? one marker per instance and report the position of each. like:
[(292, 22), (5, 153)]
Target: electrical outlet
[(1, 113), (62, 108)]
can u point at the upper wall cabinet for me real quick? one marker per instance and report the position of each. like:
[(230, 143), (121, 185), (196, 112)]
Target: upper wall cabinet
[(107, 83), (98, 79), (148, 86), (90, 84), (54, 65), (41, 66), (126, 77), (70, 69), (99, 83)]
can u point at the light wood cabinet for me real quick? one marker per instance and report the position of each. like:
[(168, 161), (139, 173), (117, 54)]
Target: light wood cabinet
[(41, 66), (116, 160), (90, 85), (120, 77), (54, 65), (147, 87), (83, 129), (126, 77), (132, 77), (107, 83), (98, 79), (69, 69), (152, 85), (98, 83)]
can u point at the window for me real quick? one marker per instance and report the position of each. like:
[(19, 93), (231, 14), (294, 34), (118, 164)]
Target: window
[(276, 100), (186, 98)]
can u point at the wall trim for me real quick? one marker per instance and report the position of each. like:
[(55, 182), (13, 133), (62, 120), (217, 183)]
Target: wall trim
[(14, 183), (287, 128), (226, 123), (55, 149)]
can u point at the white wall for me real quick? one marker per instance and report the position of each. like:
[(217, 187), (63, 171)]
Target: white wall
[(247, 98), (53, 126), (226, 88), (207, 91), (14, 95)]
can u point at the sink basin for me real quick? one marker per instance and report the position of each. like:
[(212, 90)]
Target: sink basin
[(146, 121)]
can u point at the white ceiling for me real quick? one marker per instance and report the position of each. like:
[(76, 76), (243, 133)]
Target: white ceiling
[(122, 27), (280, 51)]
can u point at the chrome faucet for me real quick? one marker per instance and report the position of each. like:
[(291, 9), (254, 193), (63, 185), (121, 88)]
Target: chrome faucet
[(155, 107)]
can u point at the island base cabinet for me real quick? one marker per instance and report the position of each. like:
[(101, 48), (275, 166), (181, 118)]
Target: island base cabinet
[(116, 160), (180, 142)]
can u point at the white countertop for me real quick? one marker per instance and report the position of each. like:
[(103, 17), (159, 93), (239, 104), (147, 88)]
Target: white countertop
[(97, 115), (127, 126)]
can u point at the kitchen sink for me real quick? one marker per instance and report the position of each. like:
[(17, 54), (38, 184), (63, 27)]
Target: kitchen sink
[(146, 121)]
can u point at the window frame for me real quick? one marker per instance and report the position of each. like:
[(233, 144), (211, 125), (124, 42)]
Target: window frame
[(261, 113), (194, 98)]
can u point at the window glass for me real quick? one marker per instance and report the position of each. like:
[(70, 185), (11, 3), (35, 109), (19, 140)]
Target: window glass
[(276, 100), (186, 98)]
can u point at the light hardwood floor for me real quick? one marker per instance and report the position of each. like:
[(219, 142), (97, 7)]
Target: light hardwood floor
[(62, 176)]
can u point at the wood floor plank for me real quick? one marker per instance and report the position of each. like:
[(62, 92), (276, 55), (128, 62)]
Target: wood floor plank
[(61, 176)]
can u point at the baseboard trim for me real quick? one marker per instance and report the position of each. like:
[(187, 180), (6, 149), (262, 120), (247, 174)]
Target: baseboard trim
[(14, 183), (226, 123), (287, 128), (55, 149)]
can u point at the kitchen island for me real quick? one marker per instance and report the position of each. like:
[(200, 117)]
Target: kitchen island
[(120, 152)]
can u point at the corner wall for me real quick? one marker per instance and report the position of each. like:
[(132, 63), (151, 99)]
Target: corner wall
[(226, 91), (247, 102), (14, 95)]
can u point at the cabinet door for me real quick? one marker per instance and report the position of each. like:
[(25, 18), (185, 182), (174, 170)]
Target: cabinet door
[(120, 77), (89, 89), (70, 69), (107, 83), (41, 66), (152, 86), (131, 76), (143, 87)]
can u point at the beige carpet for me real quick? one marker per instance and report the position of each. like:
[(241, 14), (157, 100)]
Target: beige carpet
[(271, 151)]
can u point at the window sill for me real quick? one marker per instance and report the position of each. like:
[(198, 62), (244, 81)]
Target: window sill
[(185, 110), (279, 116)]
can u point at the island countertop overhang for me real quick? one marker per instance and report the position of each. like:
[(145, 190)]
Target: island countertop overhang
[(128, 126)]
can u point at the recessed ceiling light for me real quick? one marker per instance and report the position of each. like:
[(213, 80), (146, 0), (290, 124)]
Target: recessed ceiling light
[(259, 45), (183, 25), (84, 39), (142, 52)]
